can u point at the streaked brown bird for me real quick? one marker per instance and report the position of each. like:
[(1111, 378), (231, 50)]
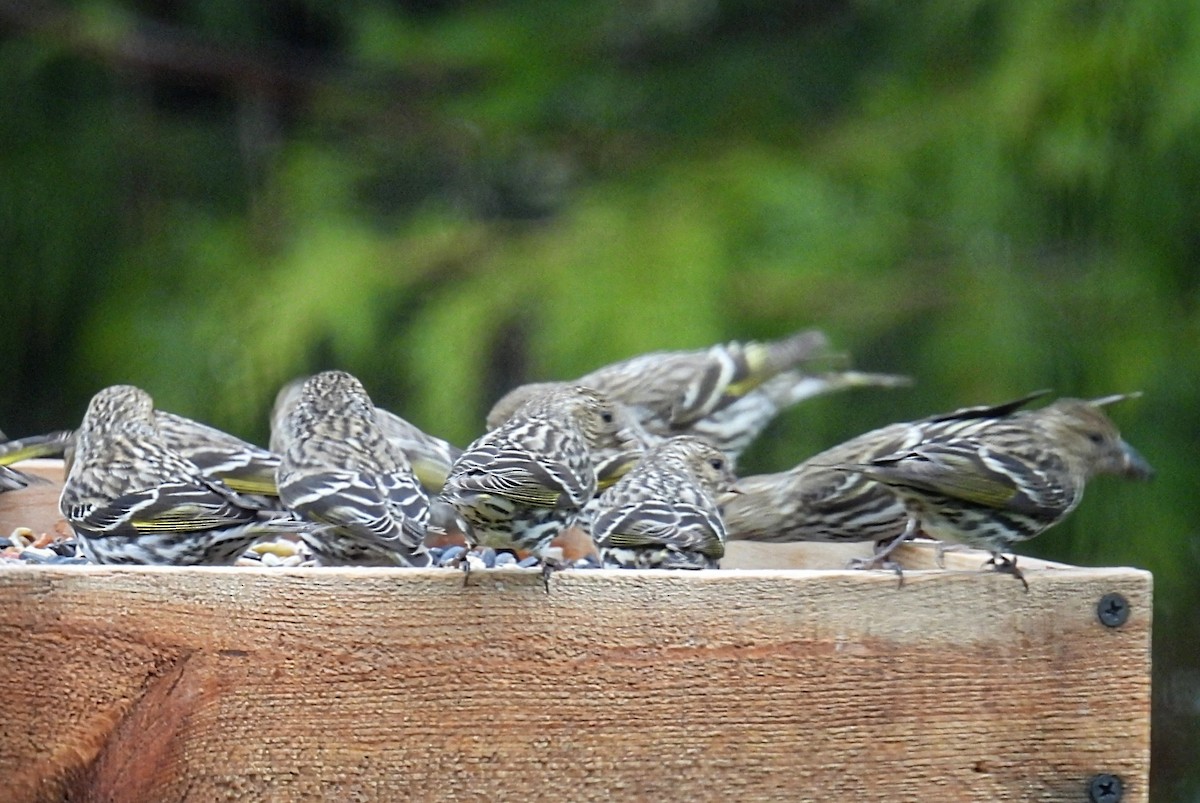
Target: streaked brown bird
[(520, 484), (1005, 480), (987, 477), (429, 455), (339, 470), (663, 514), (240, 465), (817, 502), (131, 498), (726, 394)]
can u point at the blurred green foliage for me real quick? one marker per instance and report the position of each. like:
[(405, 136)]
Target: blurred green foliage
[(448, 198)]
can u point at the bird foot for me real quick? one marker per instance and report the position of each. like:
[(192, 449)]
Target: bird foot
[(463, 561), (1006, 565), (549, 567), (878, 561)]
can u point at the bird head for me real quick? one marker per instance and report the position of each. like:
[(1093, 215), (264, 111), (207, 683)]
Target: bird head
[(711, 467), (1092, 440)]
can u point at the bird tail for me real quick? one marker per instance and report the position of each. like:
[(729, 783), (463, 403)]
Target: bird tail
[(794, 387)]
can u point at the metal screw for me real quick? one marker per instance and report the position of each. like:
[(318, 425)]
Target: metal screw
[(1105, 788), (1113, 610)]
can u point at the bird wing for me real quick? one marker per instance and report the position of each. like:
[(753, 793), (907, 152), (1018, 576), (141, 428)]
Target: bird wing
[(430, 456), (977, 474), (657, 523), (54, 444), (987, 411), (729, 371), (535, 481), (613, 468), (243, 472), (349, 500), (242, 466), (12, 480), (169, 507), (407, 498)]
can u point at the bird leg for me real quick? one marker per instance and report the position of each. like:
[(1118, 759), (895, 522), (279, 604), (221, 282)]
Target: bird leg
[(880, 559), (939, 554), (462, 562), (549, 566), (1006, 565)]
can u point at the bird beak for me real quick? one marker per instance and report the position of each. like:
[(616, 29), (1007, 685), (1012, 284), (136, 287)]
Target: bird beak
[(1133, 465)]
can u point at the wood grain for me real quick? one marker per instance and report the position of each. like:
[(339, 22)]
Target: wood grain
[(376, 684)]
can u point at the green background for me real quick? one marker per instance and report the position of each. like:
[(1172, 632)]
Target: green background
[(209, 198)]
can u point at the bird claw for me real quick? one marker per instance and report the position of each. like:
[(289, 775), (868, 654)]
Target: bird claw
[(462, 562), (1006, 565), (549, 566)]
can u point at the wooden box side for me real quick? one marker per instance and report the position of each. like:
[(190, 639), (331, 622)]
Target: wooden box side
[(201, 684)]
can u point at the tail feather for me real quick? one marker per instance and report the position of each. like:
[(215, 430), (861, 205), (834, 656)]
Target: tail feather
[(794, 387)]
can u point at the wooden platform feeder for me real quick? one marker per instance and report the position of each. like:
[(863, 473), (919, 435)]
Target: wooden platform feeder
[(147, 684)]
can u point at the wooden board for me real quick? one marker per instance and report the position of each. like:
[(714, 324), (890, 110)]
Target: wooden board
[(36, 506), (376, 684)]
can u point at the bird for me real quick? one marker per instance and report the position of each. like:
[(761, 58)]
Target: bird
[(430, 456), (240, 465), (663, 514), (339, 470), (815, 501), (521, 483), (726, 394), (131, 498), (985, 477), (1006, 480)]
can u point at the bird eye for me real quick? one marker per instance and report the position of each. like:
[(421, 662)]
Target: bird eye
[(606, 417), (717, 463), (1096, 438)]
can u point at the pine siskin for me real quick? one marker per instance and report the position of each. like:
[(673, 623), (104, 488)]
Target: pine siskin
[(815, 501), (338, 469), (521, 483), (663, 514), (726, 394), (993, 482), (241, 466), (1041, 461), (132, 499), (429, 455)]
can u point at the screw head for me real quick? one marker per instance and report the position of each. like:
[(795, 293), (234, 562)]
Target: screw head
[(1113, 610), (1105, 788)]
